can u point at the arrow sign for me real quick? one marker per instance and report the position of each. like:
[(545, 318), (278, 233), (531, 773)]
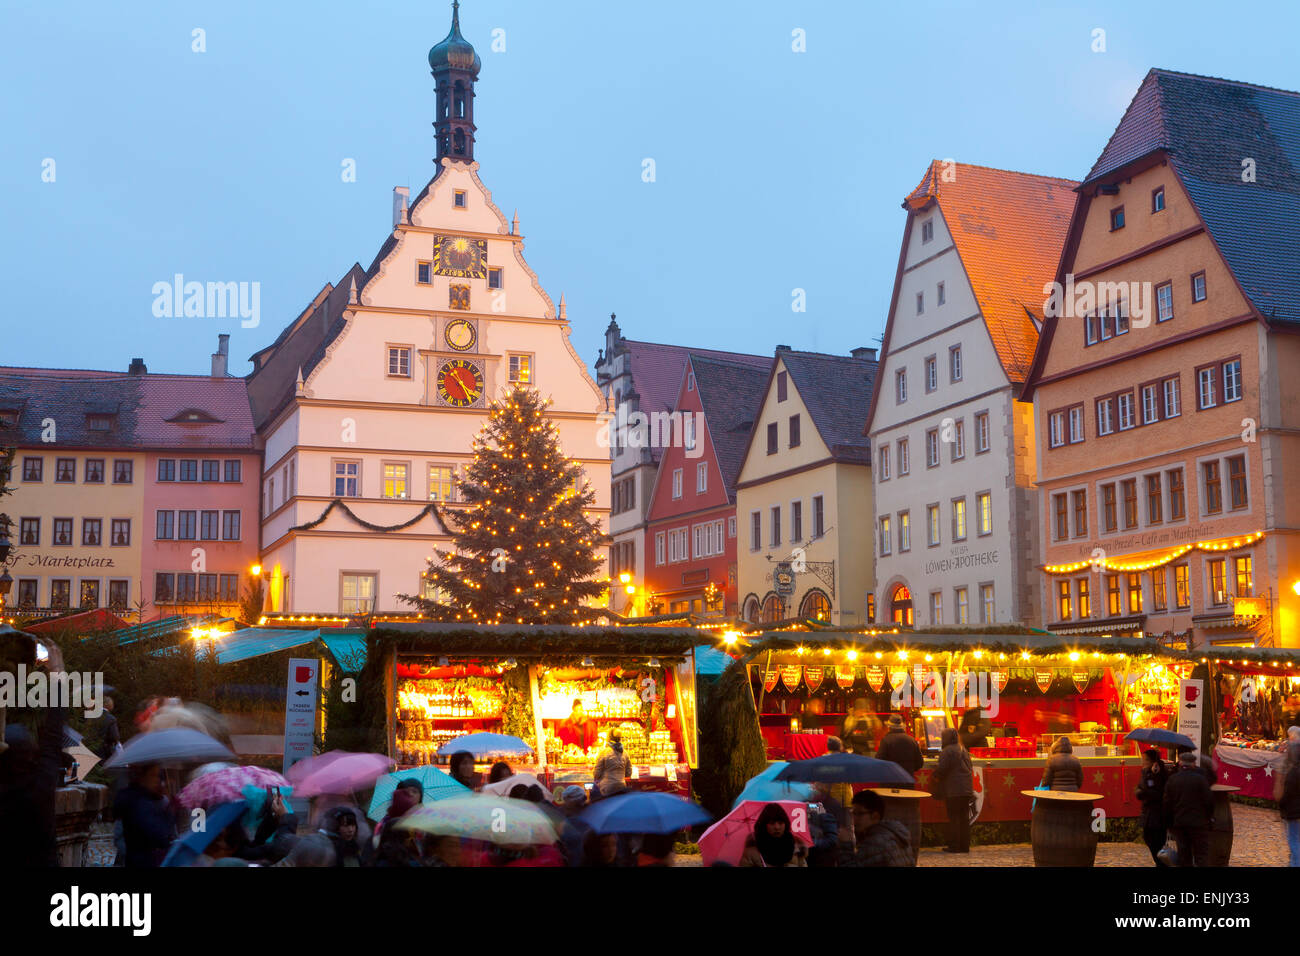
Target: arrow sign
[(300, 710)]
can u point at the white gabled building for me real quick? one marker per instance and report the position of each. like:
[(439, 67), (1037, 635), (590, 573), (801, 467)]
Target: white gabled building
[(953, 451), (369, 401)]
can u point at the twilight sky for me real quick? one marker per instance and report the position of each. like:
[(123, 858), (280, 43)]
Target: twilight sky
[(774, 169)]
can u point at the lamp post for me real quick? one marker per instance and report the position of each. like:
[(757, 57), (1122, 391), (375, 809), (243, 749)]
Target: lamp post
[(625, 579), (6, 547)]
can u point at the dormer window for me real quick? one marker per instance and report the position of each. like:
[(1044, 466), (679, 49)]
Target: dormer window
[(99, 423), (8, 418), (193, 416)]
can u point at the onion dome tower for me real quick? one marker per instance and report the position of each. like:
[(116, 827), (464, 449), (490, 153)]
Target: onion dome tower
[(455, 67)]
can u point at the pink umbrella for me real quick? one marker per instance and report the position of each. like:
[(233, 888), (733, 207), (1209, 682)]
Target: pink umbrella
[(725, 840), (337, 772), (227, 785)]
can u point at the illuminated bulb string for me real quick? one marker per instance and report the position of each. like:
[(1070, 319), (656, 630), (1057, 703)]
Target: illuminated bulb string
[(1203, 546)]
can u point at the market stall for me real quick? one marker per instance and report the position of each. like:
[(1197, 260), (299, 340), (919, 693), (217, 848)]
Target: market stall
[(1259, 695), (564, 690), (1010, 695)]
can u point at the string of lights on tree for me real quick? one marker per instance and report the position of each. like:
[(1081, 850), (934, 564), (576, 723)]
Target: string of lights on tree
[(524, 550)]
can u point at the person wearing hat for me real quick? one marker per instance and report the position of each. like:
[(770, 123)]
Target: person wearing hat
[(614, 768), (572, 800), (1189, 811), (899, 747)]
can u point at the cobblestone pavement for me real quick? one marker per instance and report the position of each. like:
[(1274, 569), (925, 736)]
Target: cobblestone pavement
[(1258, 840)]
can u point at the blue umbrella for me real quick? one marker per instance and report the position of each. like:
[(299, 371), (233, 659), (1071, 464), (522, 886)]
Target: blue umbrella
[(485, 746), (848, 768), (185, 850), (765, 788), (437, 784), (643, 812), (1158, 735)]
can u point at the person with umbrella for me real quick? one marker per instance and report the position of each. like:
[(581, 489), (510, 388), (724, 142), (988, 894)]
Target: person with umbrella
[(395, 846), (277, 831), (340, 827), (954, 783), (1151, 795), (772, 843), (461, 768), (874, 841), (146, 817), (1189, 811), (573, 836)]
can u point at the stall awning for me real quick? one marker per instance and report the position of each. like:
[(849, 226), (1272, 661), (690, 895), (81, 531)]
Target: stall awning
[(257, 642), (1113, 625), (1243, 622), (348, 650)]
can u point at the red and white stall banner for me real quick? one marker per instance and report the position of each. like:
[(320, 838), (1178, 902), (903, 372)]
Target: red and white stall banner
[(876, 678), (769, 680), (812, 676), (1000, 679), (1252, 770), (897, 680), (1043, 677), (1081, 680), (791, 674), (844, 675)]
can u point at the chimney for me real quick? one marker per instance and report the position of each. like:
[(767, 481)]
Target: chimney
[(137, 367), (221, 357), (401, 194), (783, 348), (866, 354)]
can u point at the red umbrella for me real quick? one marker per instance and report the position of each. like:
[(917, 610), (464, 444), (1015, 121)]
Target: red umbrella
[(227, 785), (337, 772), (725, 840)]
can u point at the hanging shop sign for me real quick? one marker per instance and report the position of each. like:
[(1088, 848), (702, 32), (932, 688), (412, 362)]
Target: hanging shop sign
[(876, 678), (844, 675), (769, 680), (812, 676), (791, 674), (1043, 677), (1000, 679), (1081, 680)]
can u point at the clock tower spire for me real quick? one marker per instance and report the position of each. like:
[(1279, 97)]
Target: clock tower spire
[(455, 67)]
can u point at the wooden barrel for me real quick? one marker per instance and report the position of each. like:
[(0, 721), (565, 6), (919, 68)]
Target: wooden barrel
[(1062, 835), (906, 810), (1221, 832)]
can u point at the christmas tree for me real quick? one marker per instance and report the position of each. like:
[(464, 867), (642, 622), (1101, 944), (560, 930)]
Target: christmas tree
[(525, 547)]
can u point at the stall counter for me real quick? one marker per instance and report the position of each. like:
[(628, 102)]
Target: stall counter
[(999, 782)]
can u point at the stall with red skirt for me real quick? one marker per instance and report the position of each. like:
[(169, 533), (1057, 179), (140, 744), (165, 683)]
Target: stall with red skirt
[(565, 691), (1010, 695)]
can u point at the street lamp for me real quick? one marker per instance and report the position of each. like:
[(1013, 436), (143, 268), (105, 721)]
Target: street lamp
[(6, 545)]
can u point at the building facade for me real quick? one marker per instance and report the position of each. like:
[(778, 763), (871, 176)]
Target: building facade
[(804, 492), (370, 400), (641, 382), (691, 527), (132, 491), (954, 471), (1164, 388)]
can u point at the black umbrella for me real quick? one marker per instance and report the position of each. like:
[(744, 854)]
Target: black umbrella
[(847, 768), (174, 746), (1158, 735)]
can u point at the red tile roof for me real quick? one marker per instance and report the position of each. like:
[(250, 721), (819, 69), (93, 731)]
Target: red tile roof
[(1009, 229)]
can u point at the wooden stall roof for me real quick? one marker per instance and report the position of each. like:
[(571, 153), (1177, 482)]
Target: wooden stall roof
[(561, 645)]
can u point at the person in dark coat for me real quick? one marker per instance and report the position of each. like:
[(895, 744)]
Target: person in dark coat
[(30, 772), (395, 846), (107, 736), (276, 833), (461, 768), (340, 826), (1189, 811), (1064, 771), (874, 841), (147, 825), (1151, 795), (898, 746), (953, 782), (1288, 803)]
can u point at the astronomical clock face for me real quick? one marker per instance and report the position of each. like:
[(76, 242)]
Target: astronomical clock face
[(460, 335), (459, 257), (460, 383)]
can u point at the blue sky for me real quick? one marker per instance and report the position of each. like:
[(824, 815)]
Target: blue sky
[(775, 170)]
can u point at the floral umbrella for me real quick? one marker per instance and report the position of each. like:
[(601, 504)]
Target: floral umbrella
[(483, 817), (227, 786), (337, 772)]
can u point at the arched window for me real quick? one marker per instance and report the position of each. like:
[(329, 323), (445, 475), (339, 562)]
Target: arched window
[(900, 606), (460, 142), (460, 100), (751, 609), (773, 610), (816, 606)]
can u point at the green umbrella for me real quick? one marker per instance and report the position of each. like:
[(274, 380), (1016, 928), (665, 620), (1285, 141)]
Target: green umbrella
[(483, 817), (438, 785)]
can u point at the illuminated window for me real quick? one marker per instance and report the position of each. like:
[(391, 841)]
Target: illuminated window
[(1218, 570), (395, 481), (936, 608), (1085, 598), (1113, 607), (932, 525), (988, 613), (521, 369), (442, 483), (961, 606), (984, 513), (900, 606), (1244, 570), (1063, 601), (1182, 586), (357, 593), (1159, 593), (1135, 593)]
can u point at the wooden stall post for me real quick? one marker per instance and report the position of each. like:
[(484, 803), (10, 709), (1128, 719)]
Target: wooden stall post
[(538, 729)]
